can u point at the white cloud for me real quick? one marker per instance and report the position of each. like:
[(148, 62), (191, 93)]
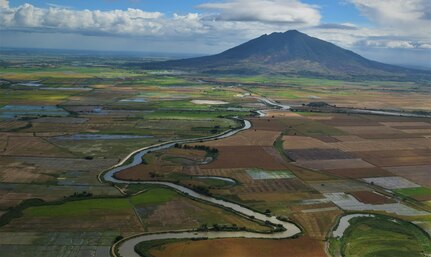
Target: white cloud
[(404, 17), (399, 44), (388, 43), (283, 11), (425, 46), (120, 22), (276, 16), (4, 4), (390, 11)]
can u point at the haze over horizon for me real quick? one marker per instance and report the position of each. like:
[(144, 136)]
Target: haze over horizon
[(395, 32)]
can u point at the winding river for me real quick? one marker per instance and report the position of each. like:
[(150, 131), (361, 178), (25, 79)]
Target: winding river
[(126, 246)]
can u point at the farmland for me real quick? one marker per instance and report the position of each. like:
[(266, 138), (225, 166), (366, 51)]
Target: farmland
[(63, 126), (379, 236), (303, 247), (158, 209)]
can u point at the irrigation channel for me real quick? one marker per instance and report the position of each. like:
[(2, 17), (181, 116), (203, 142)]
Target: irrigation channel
[(126, 247)]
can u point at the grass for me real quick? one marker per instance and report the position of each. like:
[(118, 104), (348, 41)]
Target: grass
[(383, 237), (90, 207), (414, 192), (144, 248), (154, 196), (8, 96)]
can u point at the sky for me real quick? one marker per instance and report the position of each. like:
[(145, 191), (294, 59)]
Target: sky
[(391, 31)]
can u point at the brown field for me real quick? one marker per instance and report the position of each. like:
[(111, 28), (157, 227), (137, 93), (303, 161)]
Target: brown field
[(425, 131), (348, 138), (317, 154), (277, 197), (308, 175), (142, 172), (300, 142), (394, 153), (236, 173), (45, 169), (399, 160), (361, 130), (10, 125), (244, 157), (422, 198), (327, 139), (19, 173), (11, 199), (360, 173), (317, 222), (31, 146), (166, 161), (369, 197), (232, 247), (247, 138), (339, 119), (407, 124), (125, 222), (397, 157), (390, 136), (183, 213), (268, 123), (177, 156), (334, 186), (419, 174), (384, 144), (334, 164), (272, 186)]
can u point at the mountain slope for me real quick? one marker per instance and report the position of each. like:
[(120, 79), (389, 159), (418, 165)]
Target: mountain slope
[(291, 52)]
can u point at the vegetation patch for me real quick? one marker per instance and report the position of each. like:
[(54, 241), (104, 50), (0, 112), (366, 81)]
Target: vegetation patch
[(419, 193), (384, 237)]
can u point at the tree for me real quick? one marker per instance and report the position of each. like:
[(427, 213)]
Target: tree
[(204, 227)]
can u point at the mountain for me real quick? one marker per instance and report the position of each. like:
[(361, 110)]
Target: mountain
[(291, 52)]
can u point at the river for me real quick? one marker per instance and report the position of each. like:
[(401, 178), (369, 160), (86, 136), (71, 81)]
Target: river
[(126, 246)]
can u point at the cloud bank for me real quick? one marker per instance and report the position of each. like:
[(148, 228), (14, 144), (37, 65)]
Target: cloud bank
[(277, 11), (396, 24)]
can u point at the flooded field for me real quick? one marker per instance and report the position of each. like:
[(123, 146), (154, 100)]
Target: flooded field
[(13, 111)]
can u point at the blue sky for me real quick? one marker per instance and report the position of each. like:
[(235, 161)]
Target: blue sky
[(393, 31)]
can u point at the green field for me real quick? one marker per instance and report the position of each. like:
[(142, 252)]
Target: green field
[(89, 207), (383, 237), (414, 192)]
